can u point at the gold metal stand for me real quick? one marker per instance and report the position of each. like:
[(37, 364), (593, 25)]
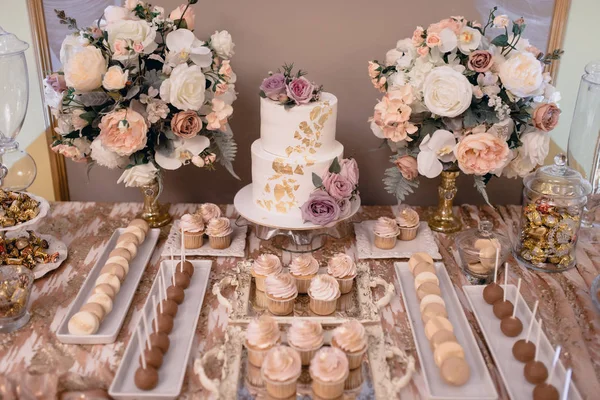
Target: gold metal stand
[(154, 213), (443, 219)]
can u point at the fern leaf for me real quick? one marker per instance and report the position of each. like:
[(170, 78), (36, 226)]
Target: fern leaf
[(225, 148), (397, 185), (480, 186)]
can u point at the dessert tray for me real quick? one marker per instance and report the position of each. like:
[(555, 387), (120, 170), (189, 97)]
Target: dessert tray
[(238, 244), (480, 384), (365, 243), (111, 325), (44, 209), (249, 303), (175, 360), (54, 246), (500, 345)]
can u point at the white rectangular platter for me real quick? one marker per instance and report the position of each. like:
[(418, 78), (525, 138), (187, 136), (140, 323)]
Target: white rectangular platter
[(480, 385), (365, 243), (111, 325), (501, 345), (172, 371)]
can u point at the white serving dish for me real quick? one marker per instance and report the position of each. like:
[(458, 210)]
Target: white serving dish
[(366, 249), (111, 325), (175, 361), (501, 346), (480, 385)]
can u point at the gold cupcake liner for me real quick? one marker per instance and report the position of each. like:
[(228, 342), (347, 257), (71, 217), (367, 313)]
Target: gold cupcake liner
[(259, 281), (281, 390), (220, 242), (303, 282), (256, 356), (254, 376), (280, 306), (323, 307), (193, 240), (355, 359), (355, 379), (328, 390), (385, 243), (260, 300), (345, 284), (306, 356), (408, 233)]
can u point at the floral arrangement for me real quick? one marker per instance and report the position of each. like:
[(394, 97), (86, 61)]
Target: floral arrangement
[(458, 99), (289, 89), (334, 192), (138, 91)]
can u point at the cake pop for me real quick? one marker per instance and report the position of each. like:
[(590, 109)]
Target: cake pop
[(523, 349), (503, 308), (493, 292), (546, 391), (512, 326), (146, 377), (163, 322), (154, 356), (167, 305), (160, 340), (535, 371), (182, 279), (185, 265), (175, 292)]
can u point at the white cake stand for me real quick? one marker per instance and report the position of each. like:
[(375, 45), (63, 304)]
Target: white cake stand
[(304, 237)]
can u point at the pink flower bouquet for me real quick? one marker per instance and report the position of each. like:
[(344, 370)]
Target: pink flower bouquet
[(289, 89)]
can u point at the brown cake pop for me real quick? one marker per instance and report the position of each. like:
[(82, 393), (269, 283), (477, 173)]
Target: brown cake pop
[(176, 294), (503, 308), (523, 350), (169, 307), (545, 391), (162, 322), (165, 304), (492, 293), (512, 326), (182, 279), (187, 267), (146, 378), (535, 372), (160, 340), (154, 357)]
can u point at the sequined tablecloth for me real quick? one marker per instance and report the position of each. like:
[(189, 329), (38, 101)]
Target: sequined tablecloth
[(33, 357)]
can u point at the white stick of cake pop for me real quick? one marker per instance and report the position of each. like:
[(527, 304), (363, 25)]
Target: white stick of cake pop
[(554, 362), (147, 330), (141, 340), (517, 298), (160, 291), (505, 281), (537, 341), (535, 307), (567, 386), (173, 275), (155, 313), (496, 264), (172, 260), (182, 251)]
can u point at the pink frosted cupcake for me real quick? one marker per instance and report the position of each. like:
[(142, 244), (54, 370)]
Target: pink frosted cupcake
[(343, 269), (386, 233), (328, 371), (193, 231), (351, 338), (324, 291), (264, 265), (219, 233), (280, 371), (281, 293), (303, 268), (408, 222), (306, 337), (209, 211), (262, 334)]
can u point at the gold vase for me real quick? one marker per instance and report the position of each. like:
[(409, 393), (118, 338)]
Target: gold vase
[(443, 219), (154, 213)]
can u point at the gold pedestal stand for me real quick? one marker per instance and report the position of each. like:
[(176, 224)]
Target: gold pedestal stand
[(155, 214), (443, 219)]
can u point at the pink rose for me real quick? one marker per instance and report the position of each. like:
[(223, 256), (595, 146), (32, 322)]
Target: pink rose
[(455, 25), (417, 37), (57, 82), (480, 61), (374, 70), (408, 167), (120, 47), (186, 124), (300, 90), (189, 17), (123, 131), (138, 47), (481, 153), (545, 117), (433, 40), (337, 186), (423, 51), (77, 149), (349, 170), (226, 70)]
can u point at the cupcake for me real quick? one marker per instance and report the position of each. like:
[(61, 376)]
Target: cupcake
[(408, 222), (343, 269), (262, 334), (328, 371), (219, 233), (265, 264), (303, 268), (350, 337), (280, 371), (193, 231), (281, 293), (386, 233), (306, 337), (209, 211), (324, 291)]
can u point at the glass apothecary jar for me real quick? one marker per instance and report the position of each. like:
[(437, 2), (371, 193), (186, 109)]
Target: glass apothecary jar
[(553, 201), (477, 250)]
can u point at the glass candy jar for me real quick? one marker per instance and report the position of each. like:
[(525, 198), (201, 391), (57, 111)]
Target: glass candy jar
[(553, 201), (477, 250), (15, 287)]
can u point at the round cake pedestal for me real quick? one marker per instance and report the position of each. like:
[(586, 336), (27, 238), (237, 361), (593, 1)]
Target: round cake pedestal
[(289, 232)]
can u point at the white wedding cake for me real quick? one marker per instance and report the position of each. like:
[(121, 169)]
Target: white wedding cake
[(294, 143)]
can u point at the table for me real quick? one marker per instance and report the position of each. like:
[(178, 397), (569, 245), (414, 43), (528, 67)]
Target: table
[(34, 358)]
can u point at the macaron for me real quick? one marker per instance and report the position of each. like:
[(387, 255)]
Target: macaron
[(436, 324), (129, 246), (128, 237), (114, 269), (105, 288), (487, 256), (417, 258), (455, 371), (140, 223), (441, 336), (111, 280), (95, 309), (428, 288), (120, 253), (104, 300), (426, 277), (446, 350), (429, 299), (433, 310), (423, 267), (137, 232), (122, 261), (83, 323), (481, 243)]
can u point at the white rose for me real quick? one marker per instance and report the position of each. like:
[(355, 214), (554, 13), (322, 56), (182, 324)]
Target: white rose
[(185, 88), (116, 13), (501, 21), (223, 44), (134, 33), (518, 167), (419, 72), (85, 68), (522, 74), (447, 92), (69, 47), (139, 175), (397, 79), (536, 145), (107, 158), (115, 78), (503, 129), (392, 55), (409, 53), (131, 4)]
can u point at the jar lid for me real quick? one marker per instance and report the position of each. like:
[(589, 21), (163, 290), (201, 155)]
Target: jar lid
[(558, 180), (10, 44), (473, 240)]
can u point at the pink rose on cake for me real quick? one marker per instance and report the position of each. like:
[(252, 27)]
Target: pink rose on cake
[(123, 131), (274, 86), (320, 208), (349, 170), (481, 153), (300, 90), (338, 186), (289, 88)]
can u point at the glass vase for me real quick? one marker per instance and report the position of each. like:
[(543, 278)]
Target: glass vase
[(443, 219), (155, 214)]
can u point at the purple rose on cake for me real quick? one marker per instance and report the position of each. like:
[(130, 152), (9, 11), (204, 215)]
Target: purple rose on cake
[(300, 90), (338, 186), (273, 86), (349, 170), (320, 208), (345, 207)]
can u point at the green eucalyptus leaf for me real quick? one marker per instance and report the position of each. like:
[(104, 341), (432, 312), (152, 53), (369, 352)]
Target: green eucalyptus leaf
[(335, 167), (500, 40), (317, 181)]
